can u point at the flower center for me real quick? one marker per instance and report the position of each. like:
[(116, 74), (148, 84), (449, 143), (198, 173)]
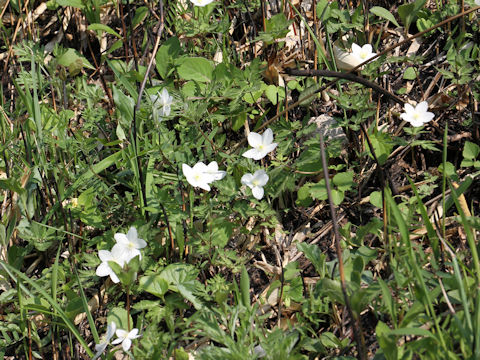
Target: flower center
[(363, 55), (261, 147), (197, 177), (255, 182), (416, 115)]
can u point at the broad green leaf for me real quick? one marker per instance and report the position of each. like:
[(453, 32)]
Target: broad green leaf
[(154, 284), (72, 57), (410, 73), (344, 180), (120, 316), (384, 13), (195, 68), (470, 150), (166, 55), (271, 93)]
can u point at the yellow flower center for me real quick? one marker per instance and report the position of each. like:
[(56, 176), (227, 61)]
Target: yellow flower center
[(255, 182), (261, 147), (416, 116)]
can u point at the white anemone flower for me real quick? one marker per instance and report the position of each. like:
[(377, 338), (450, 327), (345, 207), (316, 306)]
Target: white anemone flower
[(162, 103), (129, 244), (201, 2), (126, 338), (212, 169), (347, 60), (363, 53), (477, 2), (261, 144), (418, 115), (199, 175), (256, 182), (100, 348), (117, 255)]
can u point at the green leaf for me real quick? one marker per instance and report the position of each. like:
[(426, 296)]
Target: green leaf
[(195, 68), (470, 150), (73, 3), (245, 287), (166, 55), (344, 180), (71, 57), (410, 73), (313, 253), (272, 93), (384, 13), (120, 316), (376, 199), (154, 284), (102, 27), (140, 15), (319, 190)]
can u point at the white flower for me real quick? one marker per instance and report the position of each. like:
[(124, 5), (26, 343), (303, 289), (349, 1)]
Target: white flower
[(256, 182), (162, 103), (261, 144), (363, 53), (117, 255), (477, 2), (125, 338), (418, 115), (349, 60), (100, 348), (212, 169), (201, 2), (129, 245), (199, 175)]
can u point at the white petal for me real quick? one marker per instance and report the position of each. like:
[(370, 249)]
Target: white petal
[(126, 344), (428, 116), (114, 277), (105, 255), (187, 170), (139, 243), (267, 136), (356, 49), (368, 48), (117, 341), (213, 166), (254, 139), (408, 108), (103, 269), (269, 148), (200, 166), (122, 334), (422, 107), (253, 154), (247, 179), (204, 186), (111, 328), (133, 334), (132, 233), (257, 191), (262, 177), (121, 238)]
